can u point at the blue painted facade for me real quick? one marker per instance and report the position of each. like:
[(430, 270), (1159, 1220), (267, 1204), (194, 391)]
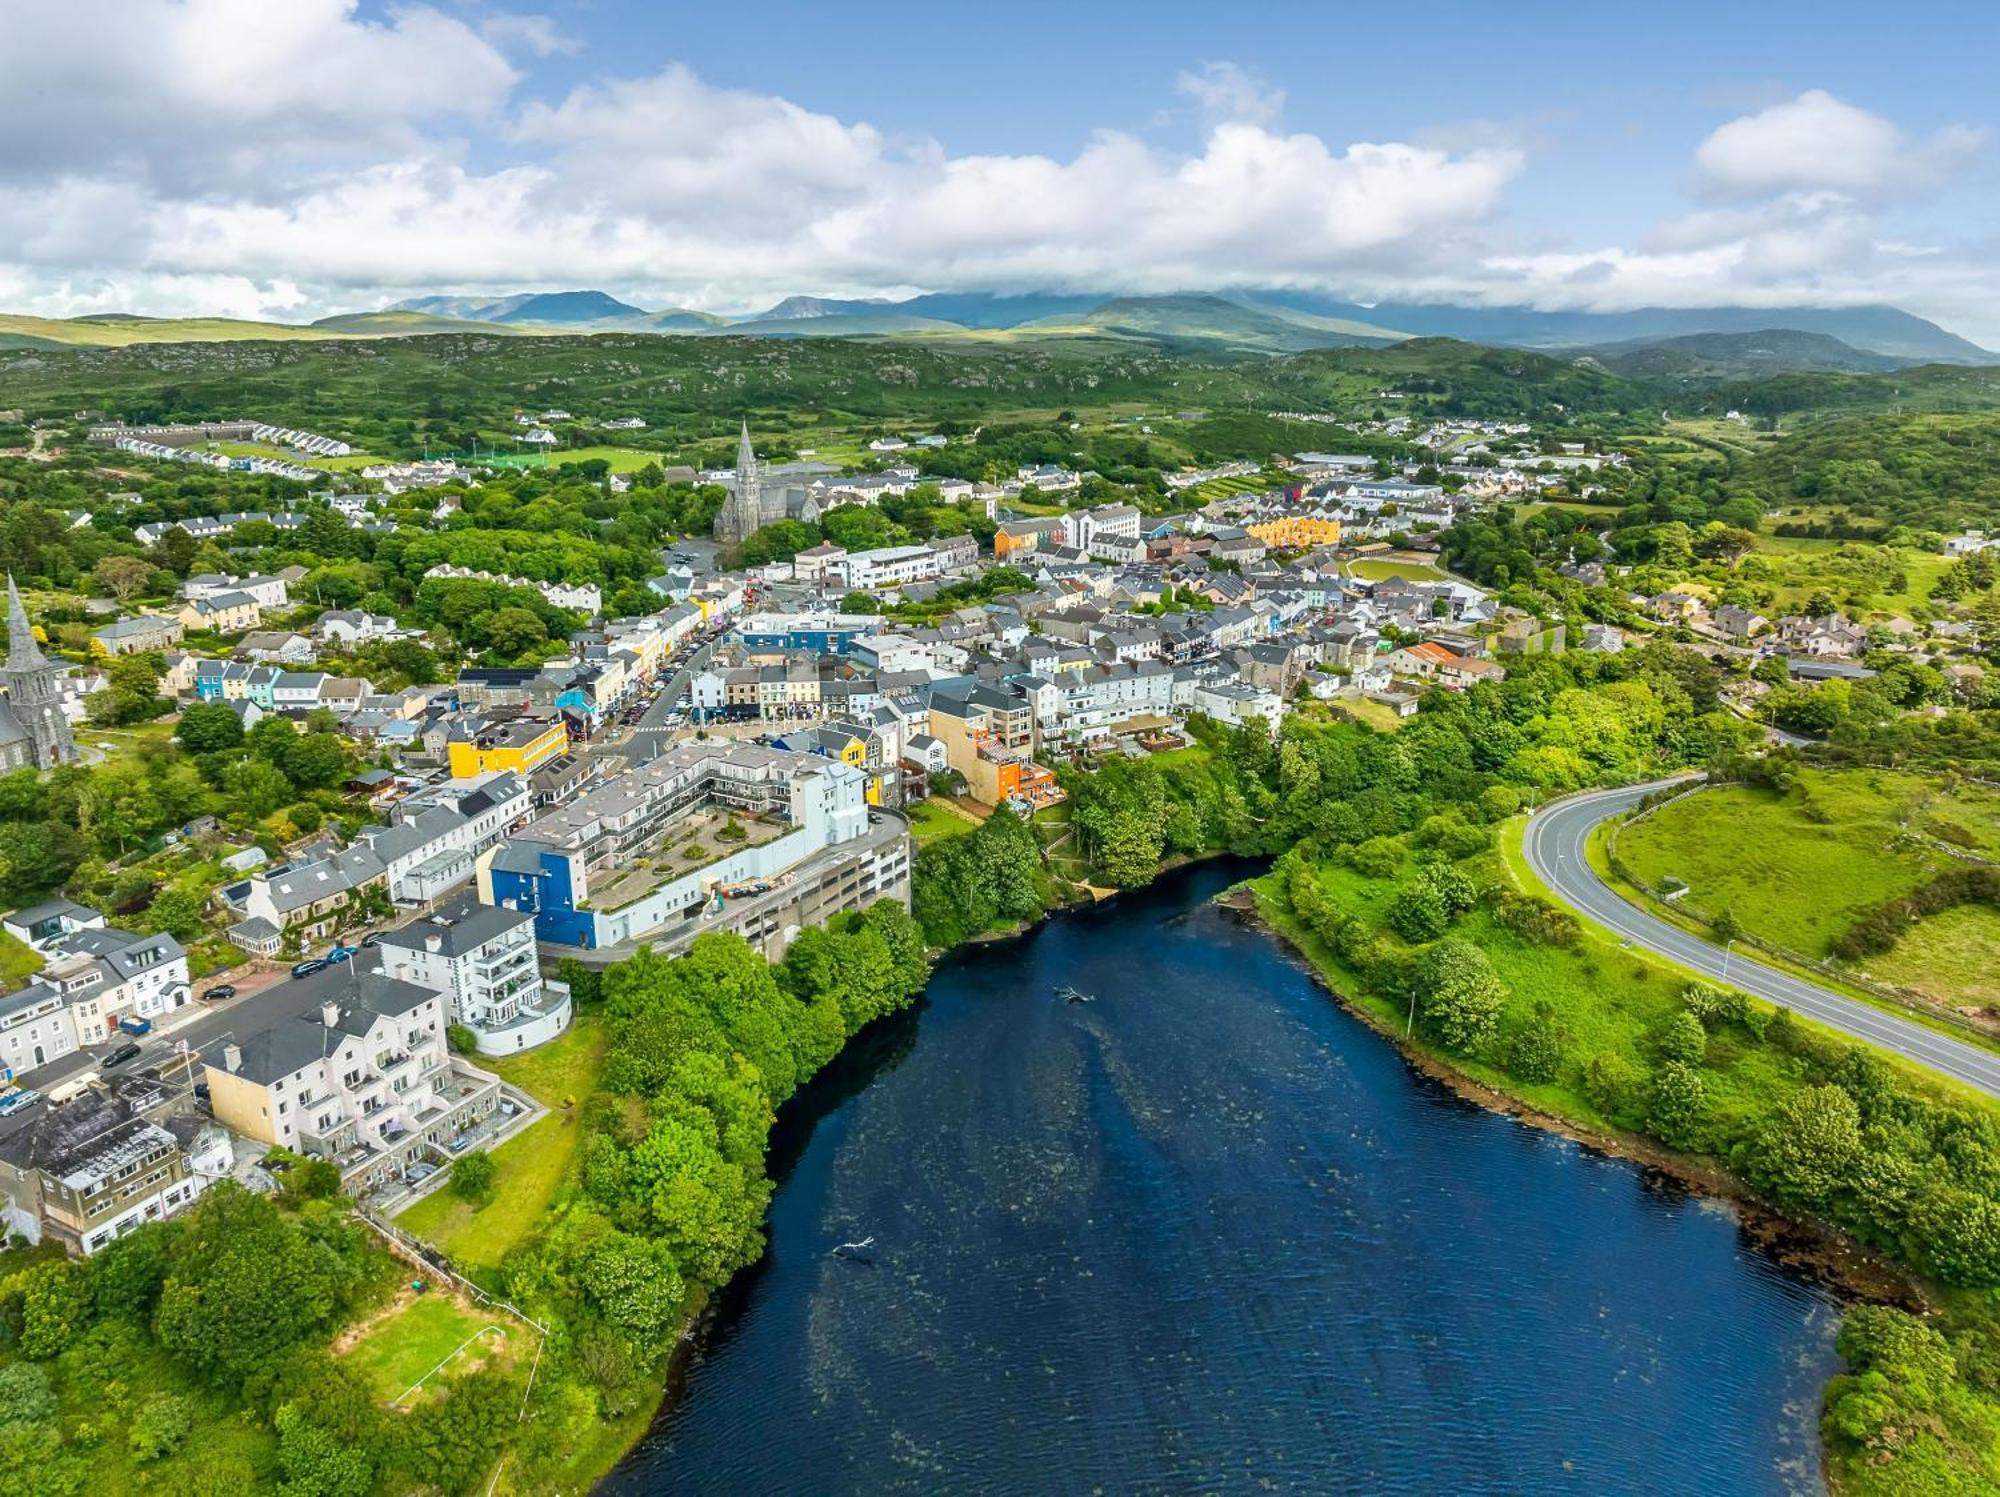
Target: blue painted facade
[(834, 639), (551, 895)]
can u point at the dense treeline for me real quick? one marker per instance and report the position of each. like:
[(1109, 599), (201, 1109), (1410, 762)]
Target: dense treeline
[(704, 1048)]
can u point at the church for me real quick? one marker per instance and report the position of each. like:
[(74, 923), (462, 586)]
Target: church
[(757, 499), (34, 734)]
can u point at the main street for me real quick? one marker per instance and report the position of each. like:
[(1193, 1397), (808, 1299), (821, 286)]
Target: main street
[(1554, 847), (650, 735)]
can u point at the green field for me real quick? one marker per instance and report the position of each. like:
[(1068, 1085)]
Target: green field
[(1379, 569), (352, 463), (1952, 957), (409, 1344), (1756, 854), (531, 1167), (621, 459), (933, 820)]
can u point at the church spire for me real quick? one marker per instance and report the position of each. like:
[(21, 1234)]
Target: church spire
[(746, 460), (23, 653)]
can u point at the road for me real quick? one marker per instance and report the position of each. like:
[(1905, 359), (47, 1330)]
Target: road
[(1554, 847), (650, 734)]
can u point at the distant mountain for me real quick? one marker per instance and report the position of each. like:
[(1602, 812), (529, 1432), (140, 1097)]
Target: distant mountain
[(1873, 329), (1212, 321), (870, 322), (408, 324), (1718, 356), (551, 308), (797, 307)]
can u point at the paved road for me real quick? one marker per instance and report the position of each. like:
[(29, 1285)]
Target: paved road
[(650, 735), (1555, 850)]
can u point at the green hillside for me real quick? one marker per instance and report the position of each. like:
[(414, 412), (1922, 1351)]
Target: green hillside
[(1209, 321), (409, 325), (1446, 377), (122, 332)]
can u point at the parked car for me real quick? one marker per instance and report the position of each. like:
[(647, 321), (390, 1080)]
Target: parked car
[(122, 1054), (18, 1098), (372, 939), (340, 954), (219, 992), (306, 969)]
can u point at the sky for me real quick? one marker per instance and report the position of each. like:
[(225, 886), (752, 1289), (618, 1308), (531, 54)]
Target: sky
[(294, 158)]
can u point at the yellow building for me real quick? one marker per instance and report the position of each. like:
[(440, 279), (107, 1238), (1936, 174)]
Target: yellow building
[(1296, 532), (522, 746)]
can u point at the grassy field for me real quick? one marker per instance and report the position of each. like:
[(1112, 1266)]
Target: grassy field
[(1379, 569), (410, 1343), (1378, 715), (1876, 579), (1953, 957), (352, 463), (933, 820), (1756, 853), (531, 1168)]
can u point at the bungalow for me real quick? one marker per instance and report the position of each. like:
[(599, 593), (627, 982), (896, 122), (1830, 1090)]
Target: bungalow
[(279, 646)]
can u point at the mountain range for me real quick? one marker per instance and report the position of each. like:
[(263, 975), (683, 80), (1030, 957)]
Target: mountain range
[(1672, 344)]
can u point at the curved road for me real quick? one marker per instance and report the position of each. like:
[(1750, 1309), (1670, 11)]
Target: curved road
[(1554, 846)]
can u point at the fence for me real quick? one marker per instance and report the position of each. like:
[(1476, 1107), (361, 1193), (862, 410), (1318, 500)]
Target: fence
[(1902, 998)]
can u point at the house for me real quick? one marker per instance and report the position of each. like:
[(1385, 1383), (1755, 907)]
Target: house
[(222, 613), (42, 926), (1677, 607), (481, 959), (274, 646), (133, 636), (348, 626), (1740, 623), (267, 592)]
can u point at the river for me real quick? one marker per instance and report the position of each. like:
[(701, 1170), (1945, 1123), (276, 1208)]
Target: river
[(1209, 1233)]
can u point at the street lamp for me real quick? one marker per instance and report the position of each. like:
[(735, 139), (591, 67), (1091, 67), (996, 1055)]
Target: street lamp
[(1726, 945)]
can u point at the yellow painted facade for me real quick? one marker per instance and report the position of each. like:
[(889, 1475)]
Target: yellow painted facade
[(470, 759), (1296, 532)]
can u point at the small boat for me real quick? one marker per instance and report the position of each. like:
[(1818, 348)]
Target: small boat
[(1071, 995)]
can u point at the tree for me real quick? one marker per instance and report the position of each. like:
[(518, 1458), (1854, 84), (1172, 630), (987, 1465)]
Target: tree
[(1809, 1146), (254, 787), (1458, 995), (315, 761), (472, 1177), (1675, 1105), (208, 728), (124, 577), (515, 631), (163, 1422), (1418, 912), (176, 912)]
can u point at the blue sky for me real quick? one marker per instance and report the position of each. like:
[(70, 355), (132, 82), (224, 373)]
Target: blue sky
[(328, 154)]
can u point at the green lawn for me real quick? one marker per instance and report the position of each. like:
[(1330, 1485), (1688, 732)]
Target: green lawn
[(407, 1345), (1795, 869), (933, 821), (532, 1167), (1375, 569), (18, 962), (622, 459)]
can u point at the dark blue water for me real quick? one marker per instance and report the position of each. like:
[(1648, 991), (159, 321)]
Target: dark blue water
[(1210, 1234)]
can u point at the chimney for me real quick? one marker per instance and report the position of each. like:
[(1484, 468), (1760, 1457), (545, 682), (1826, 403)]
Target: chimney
[(329, 1014), (232, 1057), (433, 944)]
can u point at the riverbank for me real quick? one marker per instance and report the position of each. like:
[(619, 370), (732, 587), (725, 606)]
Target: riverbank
[(1821, 1250)]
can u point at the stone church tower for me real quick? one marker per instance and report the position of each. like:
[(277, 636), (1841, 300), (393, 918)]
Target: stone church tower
[(742, 513), (33, 730)]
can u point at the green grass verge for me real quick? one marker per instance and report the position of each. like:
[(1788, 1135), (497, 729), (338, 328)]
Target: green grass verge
[(531, 1168), (933, 821)]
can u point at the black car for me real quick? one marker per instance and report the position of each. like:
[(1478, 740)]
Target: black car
[(119, 1056), (306, 969), (219, 992), (373, 938)]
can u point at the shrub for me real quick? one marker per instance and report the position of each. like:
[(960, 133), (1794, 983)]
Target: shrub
[(1535, 919), (26, 1394), (1418, 913), (1611, 1082), (461, 1039), (1537, 1051), (1675, 1104), (163, 1422), (472, 1177), (1378, 857), (1714, 1006), (1684, 1040)]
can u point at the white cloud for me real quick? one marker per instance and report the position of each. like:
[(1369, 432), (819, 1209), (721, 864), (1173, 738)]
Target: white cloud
[(311, 161), (1816, 141), (1224, 91)]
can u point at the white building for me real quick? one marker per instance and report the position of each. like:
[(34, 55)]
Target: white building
[(482, 958)]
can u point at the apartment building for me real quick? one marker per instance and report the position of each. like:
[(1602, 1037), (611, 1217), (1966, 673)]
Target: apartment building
[(482, 958), (351, 1065), (93, 977), (86, 1171)]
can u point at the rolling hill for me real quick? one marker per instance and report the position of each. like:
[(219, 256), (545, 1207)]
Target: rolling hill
[(1717, 356), (1211, 322)]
